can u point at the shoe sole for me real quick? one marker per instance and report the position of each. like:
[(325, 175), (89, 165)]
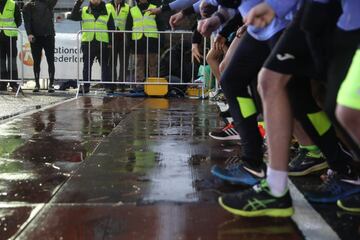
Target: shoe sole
[(229, 138), (313, 169), (272, 212), (340, 205)]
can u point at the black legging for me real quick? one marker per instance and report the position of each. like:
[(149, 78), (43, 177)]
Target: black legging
[(304, 105), (48, 44), (8, 56), (243, 69)]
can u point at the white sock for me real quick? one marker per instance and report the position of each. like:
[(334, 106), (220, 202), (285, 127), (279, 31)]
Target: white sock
[(277, 181)]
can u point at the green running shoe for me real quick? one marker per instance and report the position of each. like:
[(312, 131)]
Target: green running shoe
[(258, 201)]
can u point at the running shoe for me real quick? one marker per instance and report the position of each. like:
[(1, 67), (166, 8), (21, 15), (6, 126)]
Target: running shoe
[(199, 80), (350, 204), (37, 88), (240, 173), (258, 201), (136, 90), (223, 106), (225, 134), (333, 189), (214, 93), (51, 88), (305, 163), (219, 97)]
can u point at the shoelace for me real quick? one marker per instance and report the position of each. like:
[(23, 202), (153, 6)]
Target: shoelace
[(232, 162), (235, 169), (259, 187), (230, 125), (331, 185), (301, 154)]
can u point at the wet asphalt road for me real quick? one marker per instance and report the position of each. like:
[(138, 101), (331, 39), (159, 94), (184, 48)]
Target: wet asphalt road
[(121, 168)]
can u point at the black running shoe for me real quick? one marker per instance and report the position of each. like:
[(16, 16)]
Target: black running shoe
[(51, 89), (304, 163), (258, 201), (225, 134), (350, 204), (36, 89)]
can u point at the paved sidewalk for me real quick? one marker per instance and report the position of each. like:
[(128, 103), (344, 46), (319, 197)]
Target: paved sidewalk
[(11, 106)]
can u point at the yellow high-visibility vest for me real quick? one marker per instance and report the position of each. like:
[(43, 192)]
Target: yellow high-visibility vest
[(7, 19), (121, 17), (143, 23), (89, 23)]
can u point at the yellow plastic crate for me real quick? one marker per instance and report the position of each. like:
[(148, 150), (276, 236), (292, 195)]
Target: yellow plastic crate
[(195, 92), (156, 90)]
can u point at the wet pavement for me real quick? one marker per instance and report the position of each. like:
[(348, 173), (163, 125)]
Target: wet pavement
[(121, 168), (39, 152), (27, 101)]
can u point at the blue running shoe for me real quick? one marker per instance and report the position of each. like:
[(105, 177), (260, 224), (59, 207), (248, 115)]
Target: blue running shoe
[(138, 89), (239, 173), (332, 189)]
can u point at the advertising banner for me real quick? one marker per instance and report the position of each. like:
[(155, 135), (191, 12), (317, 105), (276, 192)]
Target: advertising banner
[(66, 59)]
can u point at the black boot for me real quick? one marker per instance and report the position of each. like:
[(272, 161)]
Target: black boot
[(51, 87), (37, 86)]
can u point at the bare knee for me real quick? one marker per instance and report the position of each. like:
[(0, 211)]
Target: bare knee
[(270, 83), (209, 58), (222, 67), (347, 117), (212, 57)]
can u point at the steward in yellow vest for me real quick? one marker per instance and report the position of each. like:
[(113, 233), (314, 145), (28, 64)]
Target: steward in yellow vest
[(144, 39), (94, 44), (10, 17), (120, 11)]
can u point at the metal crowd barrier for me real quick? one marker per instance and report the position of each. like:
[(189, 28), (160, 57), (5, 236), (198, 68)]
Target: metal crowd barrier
[(19, 81), (129, 73)]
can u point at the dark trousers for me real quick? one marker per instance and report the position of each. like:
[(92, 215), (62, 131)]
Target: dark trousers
[(48, 44), (97, 50), (8, 56), (119, 54), (241, 72)]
